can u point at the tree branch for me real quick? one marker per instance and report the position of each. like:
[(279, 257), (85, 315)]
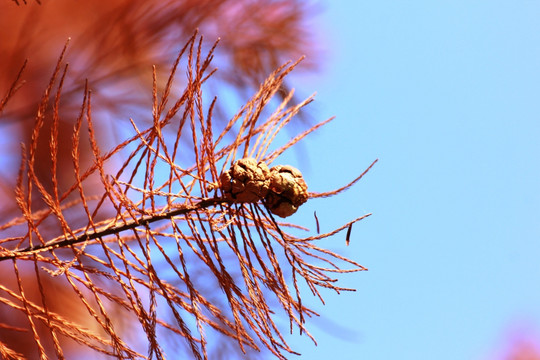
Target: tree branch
[(145, 220)]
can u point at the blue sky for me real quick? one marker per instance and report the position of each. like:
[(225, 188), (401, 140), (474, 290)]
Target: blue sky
[(447, 95)]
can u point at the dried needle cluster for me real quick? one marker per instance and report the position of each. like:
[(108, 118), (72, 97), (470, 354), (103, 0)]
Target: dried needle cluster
[(145, 246), (281, 188)]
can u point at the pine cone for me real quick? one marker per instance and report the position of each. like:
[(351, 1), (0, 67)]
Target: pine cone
[(287, 191), (282, 187), (246, 181)]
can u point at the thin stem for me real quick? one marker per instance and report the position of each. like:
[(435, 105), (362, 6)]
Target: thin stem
[(143, 221)]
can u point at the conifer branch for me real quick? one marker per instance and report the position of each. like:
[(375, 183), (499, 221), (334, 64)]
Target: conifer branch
[(62, 242), (178, 231)]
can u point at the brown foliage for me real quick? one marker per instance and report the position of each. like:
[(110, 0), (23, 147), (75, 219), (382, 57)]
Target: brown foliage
[(115, 44), (143, 241)]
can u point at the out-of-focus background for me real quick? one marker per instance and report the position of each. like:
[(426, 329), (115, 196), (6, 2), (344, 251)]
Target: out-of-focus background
[(447, 95)]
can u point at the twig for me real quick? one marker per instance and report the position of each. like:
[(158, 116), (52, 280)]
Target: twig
[(145, 220)]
